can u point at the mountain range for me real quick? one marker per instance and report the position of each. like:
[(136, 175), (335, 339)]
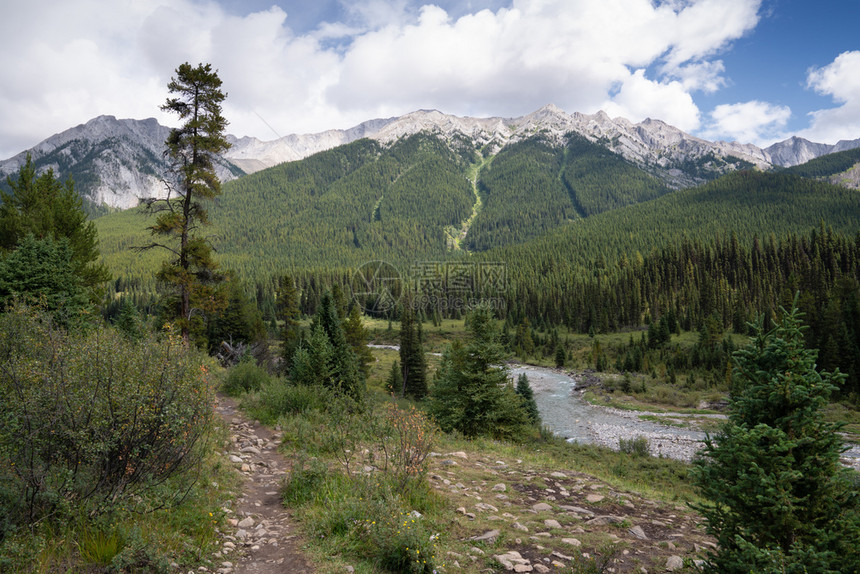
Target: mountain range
[(117, 162)]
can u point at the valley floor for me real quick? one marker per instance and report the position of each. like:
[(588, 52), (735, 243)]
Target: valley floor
[(501, 508)]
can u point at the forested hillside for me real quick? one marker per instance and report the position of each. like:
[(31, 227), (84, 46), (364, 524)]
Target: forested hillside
[(361, 201), (534, 186), (827, 165), (576, 227), (552, 276), (337, 208)]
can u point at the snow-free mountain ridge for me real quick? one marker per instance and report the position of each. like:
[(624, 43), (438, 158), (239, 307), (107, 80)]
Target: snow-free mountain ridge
[(118, 162)]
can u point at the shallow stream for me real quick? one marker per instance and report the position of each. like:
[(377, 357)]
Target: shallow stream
[(567, 414)]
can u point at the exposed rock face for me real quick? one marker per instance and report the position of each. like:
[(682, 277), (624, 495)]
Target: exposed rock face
[(653, 144), (796, 151), (113, 162), (251, 154), (118, 162)]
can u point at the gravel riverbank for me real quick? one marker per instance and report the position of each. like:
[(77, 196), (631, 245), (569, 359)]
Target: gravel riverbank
[(563, 410)]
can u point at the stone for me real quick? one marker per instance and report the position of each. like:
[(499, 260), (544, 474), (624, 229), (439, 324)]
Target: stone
[(250, 450), (489, 536), (518, 526), (486, 507), (594, 498), (235, 459), (572, 541), (513, 560), (246, 522), (551, 523), (499, 488), (458, 454), (576, 509), (541, 568), (541, 507), (558, 475), (604, 520), (673, 563), (638, 532)]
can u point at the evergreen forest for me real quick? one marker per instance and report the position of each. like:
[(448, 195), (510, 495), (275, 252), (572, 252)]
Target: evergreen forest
[(373, 302)]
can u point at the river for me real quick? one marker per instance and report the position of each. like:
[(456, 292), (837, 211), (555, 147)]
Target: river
[(567, 414)]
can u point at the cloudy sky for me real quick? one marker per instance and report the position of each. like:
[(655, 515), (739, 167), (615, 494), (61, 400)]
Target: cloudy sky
[(748, 70)]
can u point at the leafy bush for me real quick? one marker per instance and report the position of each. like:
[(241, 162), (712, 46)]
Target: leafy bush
[(278, 397), (635, 446), (413, 434), (93, 417), (364, 514), (245, 377)]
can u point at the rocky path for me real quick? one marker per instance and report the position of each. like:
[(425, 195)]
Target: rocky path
[(543, 520), (264, 539)]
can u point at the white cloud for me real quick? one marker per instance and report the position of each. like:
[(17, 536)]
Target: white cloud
[(638, 58), (640, 98), (840, 80), (748, 122)]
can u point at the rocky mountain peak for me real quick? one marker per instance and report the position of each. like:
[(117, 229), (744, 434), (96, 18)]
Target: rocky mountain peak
[(119, 161)]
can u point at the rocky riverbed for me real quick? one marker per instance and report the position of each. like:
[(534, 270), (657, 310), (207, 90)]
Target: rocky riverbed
[(563, 410)]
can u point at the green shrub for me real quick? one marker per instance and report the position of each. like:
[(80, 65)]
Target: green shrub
[(245, 377), (94, 418), (400, 542), (635, 446), (305, 482), (279, 397)]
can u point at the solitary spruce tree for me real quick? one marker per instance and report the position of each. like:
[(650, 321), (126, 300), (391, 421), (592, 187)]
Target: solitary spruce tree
[(412, 362), (472, 392), (524, 390), (778, 499), (288, 311), (192, 150)]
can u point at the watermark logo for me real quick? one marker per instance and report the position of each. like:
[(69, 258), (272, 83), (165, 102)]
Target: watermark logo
[(377, 286), (430, 285)]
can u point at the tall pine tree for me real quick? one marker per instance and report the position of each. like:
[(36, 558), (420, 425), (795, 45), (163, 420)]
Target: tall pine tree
[(347, 377), (412, 362), (288, 312), (192, 149)]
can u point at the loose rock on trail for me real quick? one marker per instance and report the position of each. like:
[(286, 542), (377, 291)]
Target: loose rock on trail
[(266, 540)]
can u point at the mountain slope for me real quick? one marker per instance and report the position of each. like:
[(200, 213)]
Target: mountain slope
[(746, 203), (676, 157), (338, 208), (536, 185), (796, 151), (839, 168), (553, 272), (114, 163)]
